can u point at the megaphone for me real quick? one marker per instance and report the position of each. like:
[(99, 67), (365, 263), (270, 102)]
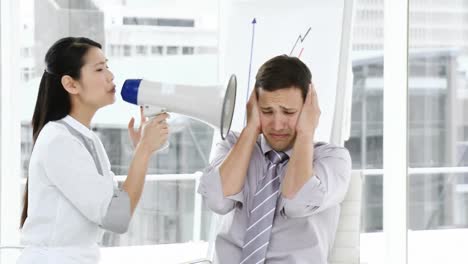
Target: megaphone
[(213, 105)]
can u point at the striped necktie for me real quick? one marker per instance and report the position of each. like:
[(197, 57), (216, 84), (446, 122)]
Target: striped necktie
[(260, 223)]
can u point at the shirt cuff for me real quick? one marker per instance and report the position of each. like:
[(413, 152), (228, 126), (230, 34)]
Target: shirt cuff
[(118, 216)]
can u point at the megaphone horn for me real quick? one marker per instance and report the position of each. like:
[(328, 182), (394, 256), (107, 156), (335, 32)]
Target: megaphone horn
[(213, 105)]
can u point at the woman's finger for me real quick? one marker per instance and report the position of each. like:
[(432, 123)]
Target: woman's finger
[(131, 124)]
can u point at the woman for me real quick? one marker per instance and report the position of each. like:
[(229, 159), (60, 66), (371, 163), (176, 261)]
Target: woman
[(72, 193)]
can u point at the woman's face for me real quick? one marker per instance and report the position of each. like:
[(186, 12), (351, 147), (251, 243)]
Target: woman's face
[(96, 85)]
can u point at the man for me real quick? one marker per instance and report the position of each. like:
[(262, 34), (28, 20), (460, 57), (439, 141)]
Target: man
[(283, 188)]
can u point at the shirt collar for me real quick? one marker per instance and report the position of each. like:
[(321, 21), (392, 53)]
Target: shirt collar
[(78, 126), (266, 147)]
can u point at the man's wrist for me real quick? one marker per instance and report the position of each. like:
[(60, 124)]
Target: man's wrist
[(303, 137)]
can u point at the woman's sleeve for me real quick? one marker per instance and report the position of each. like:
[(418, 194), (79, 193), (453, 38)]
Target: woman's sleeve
[(118, 215)]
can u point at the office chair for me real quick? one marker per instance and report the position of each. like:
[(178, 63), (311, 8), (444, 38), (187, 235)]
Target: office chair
[(346, 246)]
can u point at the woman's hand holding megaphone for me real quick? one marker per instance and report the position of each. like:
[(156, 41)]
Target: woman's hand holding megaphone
[(152, 133)]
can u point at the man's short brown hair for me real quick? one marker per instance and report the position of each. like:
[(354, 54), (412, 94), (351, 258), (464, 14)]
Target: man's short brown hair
[(283, 72)]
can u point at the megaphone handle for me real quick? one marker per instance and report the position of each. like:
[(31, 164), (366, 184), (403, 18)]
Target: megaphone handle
[(151, 112), (165, 145)]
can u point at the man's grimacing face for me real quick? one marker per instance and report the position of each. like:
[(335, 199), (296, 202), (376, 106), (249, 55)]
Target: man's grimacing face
[(279, 112)]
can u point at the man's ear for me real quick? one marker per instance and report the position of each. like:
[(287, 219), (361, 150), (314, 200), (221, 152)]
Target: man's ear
[(69, 84)]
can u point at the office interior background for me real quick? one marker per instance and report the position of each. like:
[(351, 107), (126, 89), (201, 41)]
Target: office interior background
[(179, 40)]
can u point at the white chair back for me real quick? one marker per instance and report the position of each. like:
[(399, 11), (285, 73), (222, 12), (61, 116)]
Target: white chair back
[(346, 246)]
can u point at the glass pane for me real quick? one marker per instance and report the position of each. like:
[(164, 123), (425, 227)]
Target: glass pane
[(366, 138), (438, 197), (136, 47)]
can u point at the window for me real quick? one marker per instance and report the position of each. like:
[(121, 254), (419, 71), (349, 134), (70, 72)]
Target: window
[(172, 50), (26, 73), (366, 136), (127, 50), (141, 50), (25, 52), (207, 50), (157, 50), (187, 50), (438, 201), (162, 22), (115, 50)]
